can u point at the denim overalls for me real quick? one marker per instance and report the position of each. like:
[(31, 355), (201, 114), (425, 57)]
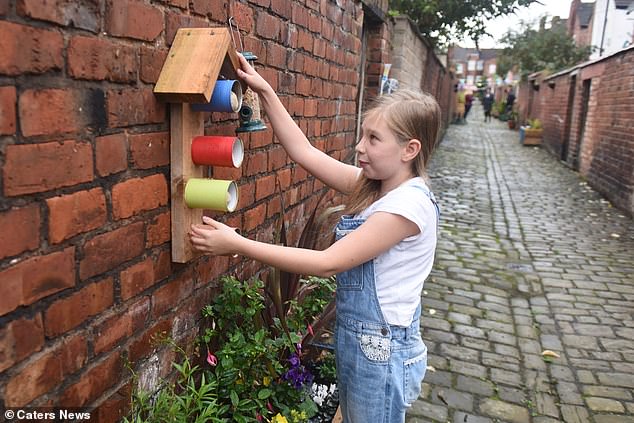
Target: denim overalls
[(379, 367)]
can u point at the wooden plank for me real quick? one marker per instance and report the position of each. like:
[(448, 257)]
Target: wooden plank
[(338, 418), (185, 124), (197, 58)]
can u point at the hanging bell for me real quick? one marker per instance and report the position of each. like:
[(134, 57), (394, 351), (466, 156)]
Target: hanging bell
[(250, 115)]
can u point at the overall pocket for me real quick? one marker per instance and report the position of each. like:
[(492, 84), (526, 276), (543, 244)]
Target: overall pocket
[(353, 279), (413, 373)]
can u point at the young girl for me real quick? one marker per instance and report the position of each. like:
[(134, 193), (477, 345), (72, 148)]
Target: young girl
[(383, 253)]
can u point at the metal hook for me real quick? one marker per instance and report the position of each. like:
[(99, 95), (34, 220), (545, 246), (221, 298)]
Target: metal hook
[(233, 26)]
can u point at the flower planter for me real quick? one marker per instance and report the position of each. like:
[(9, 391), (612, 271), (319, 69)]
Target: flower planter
[(530, 136)]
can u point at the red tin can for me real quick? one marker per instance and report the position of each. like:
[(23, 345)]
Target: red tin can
[(217, 151)]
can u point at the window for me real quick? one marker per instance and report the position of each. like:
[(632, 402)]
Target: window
[(471, 65), (480, 65), (492, 69)]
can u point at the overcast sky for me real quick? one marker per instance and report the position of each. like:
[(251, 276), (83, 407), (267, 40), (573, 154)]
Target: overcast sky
[(500, 26)]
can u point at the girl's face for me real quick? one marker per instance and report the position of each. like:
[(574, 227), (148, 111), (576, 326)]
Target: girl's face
[(379, 152)]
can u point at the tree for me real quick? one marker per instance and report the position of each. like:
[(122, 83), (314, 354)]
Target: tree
[(533, 50), (444, 20)]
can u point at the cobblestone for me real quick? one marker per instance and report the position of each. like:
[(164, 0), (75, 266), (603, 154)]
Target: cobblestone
[(529, 258)]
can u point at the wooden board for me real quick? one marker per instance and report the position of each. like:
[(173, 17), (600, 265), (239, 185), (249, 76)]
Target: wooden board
[(198, 57), (185, 124)]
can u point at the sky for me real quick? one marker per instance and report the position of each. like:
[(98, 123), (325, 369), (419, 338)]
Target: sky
[(498, 27)]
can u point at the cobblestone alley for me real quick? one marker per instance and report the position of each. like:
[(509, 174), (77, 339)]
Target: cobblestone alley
[(529, 312)]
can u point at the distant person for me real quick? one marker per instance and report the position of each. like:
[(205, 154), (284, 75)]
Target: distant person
[(460, 105), (487, 104), (468, 102), (510, 99)]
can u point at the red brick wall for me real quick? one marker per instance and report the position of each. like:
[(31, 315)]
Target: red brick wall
[(86, 279), (600, 145)]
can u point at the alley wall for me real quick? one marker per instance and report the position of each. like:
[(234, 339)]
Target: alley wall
[(86, 279), (588, 118)]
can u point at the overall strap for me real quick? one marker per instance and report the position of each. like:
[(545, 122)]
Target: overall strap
[(431, 196)]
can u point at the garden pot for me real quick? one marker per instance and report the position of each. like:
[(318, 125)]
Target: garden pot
[(530, 136)]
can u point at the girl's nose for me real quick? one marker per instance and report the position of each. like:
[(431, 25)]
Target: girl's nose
[(359, 148)]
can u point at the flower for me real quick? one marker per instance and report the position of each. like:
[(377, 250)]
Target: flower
[(278, 418), (297, 375), (211, 359)]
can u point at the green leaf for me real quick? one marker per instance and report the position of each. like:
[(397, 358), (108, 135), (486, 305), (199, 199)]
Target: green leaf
[(234, 398), (264, 393)]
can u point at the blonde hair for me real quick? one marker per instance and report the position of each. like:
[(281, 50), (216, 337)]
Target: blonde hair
[(409, 115)]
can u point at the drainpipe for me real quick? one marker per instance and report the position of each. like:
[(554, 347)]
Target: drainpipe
[(605, 22)]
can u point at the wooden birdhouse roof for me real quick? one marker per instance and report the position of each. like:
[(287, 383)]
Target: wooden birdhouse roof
[(197, 59)]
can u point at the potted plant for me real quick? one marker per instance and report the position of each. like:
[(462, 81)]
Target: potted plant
[(512, 119), (531, 134)]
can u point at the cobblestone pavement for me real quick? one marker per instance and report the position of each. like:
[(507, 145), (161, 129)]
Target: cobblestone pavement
[(530, 259)]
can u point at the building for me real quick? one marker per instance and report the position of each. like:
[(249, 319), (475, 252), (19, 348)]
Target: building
[(474, 68), (613, 27), (580, 22)]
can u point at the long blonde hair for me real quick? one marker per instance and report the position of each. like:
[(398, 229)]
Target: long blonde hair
[(409, 115)]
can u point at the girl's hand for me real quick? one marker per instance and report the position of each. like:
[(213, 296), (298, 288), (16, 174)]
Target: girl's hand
[(251, 77), (214, 238)]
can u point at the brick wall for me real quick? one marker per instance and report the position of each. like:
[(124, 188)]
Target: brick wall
[(590, 126), (416, 65), (86, 280)]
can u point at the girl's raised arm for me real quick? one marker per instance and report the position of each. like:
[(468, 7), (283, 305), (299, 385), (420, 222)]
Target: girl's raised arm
[(330, 171), (361, 245)]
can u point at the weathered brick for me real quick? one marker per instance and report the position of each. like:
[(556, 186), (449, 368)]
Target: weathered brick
[(101, 59), (39, 376), (116, 406), (111, 154), (48, 111), (20, 229), (243, 15), (136, 195), (150, 150), (146, 343), (8, 99), (84, 15), (172, 294), (268, 27), (137, 278), (45, 371), (158, 230), (27, 49), (208, 8), (127, 107), (94, 382), (175, 21), (121, 325), (277, 159), (33, 168), (35, 278), (152, 60), (254, 217), (69, 312), (105, 252), (19, 339), (264, 186), (134, 19), (76, 213)]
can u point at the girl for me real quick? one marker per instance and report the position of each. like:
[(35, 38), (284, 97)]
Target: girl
[(383, 253)]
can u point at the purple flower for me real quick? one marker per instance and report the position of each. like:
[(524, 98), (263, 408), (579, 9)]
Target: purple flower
[(297, 375)]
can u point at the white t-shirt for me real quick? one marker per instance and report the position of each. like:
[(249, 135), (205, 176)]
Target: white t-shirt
[(401, 271)]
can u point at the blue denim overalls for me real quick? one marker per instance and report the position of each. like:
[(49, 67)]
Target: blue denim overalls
[(379, 367)]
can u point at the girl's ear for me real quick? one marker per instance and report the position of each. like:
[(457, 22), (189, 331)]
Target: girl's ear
[(411, 150)]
